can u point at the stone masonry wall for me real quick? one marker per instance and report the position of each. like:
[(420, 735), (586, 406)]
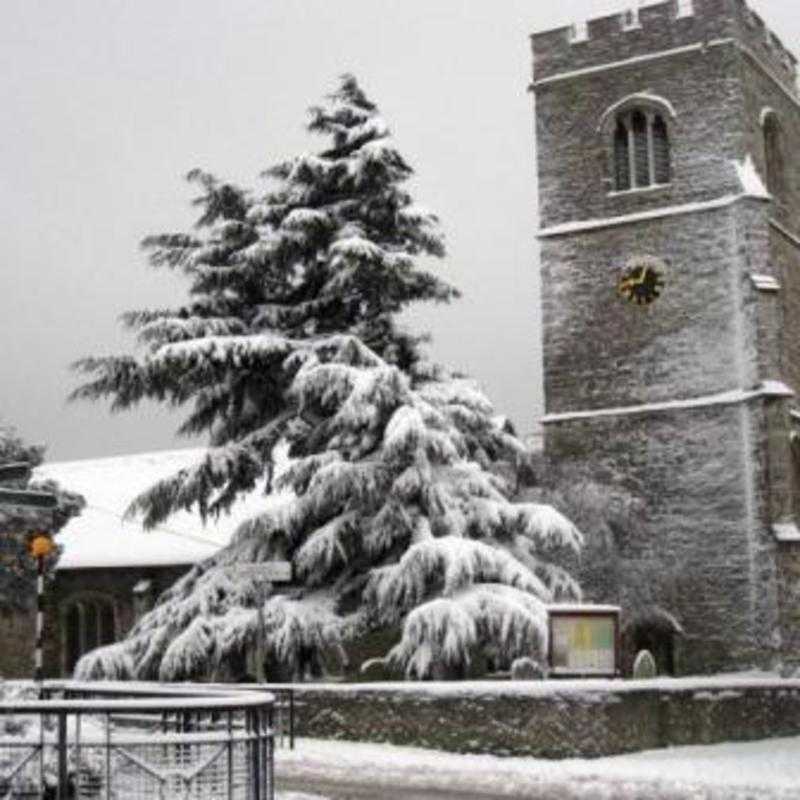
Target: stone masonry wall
[(573, 154), (760, 92), (607, 42), (717, 91), (713, 479), (660, 30), (16, 643), (602, 352), (116, 585), (550, 721), (704, 552)]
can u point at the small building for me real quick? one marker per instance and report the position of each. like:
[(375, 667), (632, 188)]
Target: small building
[(111, 570)]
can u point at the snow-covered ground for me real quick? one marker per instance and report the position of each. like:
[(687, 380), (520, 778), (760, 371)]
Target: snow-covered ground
[(728, 771)]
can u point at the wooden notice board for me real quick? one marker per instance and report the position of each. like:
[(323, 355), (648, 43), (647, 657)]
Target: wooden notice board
[(583, 640)]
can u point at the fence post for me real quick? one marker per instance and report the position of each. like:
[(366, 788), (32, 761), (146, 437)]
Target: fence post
[(258, 773), (230, 755), (269, 748), (61, 746), (291, 719)]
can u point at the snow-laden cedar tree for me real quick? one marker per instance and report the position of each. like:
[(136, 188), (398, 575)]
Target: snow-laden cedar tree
[(328, 246), (398, 522), (290, 339), (18, 569)]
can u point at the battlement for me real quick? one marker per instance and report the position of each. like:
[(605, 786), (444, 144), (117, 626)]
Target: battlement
[(646, 30)]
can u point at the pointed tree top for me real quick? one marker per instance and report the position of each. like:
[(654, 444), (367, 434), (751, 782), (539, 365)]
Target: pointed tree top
[(350, 92)]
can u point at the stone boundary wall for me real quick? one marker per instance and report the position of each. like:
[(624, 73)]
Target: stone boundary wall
[(551, 719)]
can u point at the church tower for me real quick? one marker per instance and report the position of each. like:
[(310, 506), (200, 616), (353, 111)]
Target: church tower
[(668, 137)]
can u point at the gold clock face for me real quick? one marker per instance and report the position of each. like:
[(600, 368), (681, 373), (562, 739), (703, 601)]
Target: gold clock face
[(642, 281)]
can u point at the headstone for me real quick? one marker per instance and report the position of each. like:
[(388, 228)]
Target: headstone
[(526, 669), (644, 666)]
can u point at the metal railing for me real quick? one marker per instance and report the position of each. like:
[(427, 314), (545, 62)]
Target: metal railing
[(284, 707), (133, 742)]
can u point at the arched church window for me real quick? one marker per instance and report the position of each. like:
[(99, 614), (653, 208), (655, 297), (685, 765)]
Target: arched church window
[(773, 155), (641, 150), (88, 622)]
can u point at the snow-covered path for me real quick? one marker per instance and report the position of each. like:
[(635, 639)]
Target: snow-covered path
[(765, 770)]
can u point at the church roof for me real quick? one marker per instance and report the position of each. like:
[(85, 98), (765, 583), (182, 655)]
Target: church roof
[(101, 537)]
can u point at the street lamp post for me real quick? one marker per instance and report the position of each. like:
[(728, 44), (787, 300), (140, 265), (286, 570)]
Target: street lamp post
[(40, 545)]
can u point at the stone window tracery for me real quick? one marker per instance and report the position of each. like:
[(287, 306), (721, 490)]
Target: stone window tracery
[(641, 149)]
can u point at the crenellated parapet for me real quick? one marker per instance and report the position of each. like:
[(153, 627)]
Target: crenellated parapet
[(762, 43), (642, 32)]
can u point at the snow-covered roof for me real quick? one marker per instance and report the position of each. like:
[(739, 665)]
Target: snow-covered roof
[(100, 537)]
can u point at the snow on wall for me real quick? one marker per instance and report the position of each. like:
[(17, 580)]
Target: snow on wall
[(653, 213), (733, 397), (100, 537), (579, 688), (752, 185)]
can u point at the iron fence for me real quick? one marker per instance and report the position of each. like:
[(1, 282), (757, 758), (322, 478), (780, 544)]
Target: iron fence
[(284, 705), (116, 741)]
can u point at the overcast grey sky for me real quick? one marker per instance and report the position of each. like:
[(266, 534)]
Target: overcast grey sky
[(107, 104)]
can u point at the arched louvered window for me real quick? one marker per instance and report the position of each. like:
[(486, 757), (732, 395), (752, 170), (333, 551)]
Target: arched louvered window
[(641, 150), (660, 149), (773, 155), (87, 623)]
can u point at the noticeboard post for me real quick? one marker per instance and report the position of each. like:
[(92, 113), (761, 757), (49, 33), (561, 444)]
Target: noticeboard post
[(583, 641)]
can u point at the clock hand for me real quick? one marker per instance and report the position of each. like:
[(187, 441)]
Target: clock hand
[(631, 282)]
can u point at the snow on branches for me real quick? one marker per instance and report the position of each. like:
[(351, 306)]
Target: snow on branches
[(410, 533), (327, 247), (401, 513)]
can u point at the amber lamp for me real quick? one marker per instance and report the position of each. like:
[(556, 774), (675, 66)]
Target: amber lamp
[(41, 545)]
